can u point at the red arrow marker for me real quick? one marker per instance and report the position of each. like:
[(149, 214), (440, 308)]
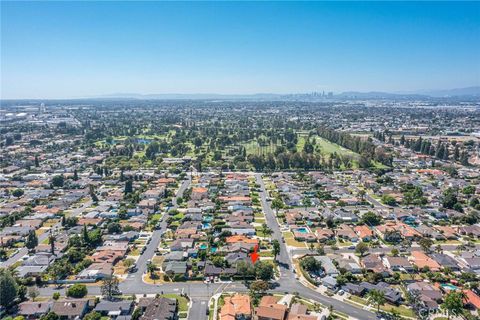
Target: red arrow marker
[(254, 255)]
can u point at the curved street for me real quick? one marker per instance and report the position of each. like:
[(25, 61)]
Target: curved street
[(200, 293)]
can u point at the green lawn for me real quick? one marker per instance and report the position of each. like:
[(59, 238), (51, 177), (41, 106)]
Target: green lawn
[(402, 310), (328, 147), (182, 301)]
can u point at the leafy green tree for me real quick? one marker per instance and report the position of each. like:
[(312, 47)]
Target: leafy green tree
[(258, 288), (50, 316), (128, 262), (310, 264), (389, 200), (275, 248), (17, 193), (58, 181), (93, 315), (33, 293), (371, 219), (151, 268), (377, 298), (86, 239), (114, 227), (453, 303), (8, 288), (266, 231), (330, 223), (77, 291), (277, 204), (245, 269), (469, 190), (361, 248), (137, 313), (110, 287), (263, 270), (51, 241), (32, 240), (128, 186), (426, 244), (449, 199)]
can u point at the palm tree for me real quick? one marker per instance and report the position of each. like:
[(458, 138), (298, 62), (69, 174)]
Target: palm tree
[(376, 297), (151, 268), (51, 241)]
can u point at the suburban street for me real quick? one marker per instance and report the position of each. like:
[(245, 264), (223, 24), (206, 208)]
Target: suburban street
[(200, 292), (134, 280), (287, 281), (23, 251)]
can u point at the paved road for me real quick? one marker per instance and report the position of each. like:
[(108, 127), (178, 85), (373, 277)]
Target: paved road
[(198, 310), (200, 293), (134, 280), (23, 251), (287, 281)]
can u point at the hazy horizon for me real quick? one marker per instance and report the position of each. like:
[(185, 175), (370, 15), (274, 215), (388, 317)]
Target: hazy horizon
[(59, 50)]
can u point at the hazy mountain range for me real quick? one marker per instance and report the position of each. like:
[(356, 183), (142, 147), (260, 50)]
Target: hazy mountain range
[(471, 92)]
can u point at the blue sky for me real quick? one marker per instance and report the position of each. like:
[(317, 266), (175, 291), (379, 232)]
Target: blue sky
[(73, 49)]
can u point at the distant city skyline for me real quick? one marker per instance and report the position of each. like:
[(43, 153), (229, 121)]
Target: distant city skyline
[(91, 49)]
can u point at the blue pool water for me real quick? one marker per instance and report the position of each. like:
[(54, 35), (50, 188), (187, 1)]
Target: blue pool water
[(203, 246), (206, 225), (213, 250), (208, 219), (449, 286), (302, 230)]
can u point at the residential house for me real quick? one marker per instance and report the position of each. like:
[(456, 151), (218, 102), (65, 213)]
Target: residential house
[(374, 263), (71, 309), (114, 308), (174, 268), (269, 309), (445, 261), (429, 294), (364, 233), (34, 310), (398, 263), (328, 266), (324, 235), (97, 271), (160, 309), (347, 233), (421, 260), (236, 307)]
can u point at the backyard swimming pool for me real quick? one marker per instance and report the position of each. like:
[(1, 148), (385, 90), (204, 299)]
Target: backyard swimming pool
[(449, 286), (302, 230)]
